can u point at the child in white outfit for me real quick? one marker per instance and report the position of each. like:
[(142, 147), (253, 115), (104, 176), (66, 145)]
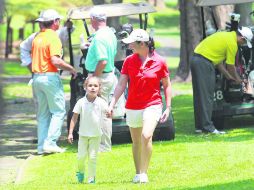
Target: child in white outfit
[(91, 109)]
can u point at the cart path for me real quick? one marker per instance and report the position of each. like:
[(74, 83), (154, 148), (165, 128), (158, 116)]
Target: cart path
[(18, 137)]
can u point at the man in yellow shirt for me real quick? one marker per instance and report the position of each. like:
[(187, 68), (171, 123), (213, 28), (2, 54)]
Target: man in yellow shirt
[(47, 85), (211, 53)]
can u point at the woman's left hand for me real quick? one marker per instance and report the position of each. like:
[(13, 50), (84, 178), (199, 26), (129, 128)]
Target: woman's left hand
[(165, 115)]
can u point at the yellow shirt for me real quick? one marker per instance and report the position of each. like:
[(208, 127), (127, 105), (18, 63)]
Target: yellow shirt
[(219, 47), (45, 45)]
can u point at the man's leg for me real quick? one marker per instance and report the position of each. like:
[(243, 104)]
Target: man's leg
[(107, 81), (43, 114), (204, 79), (56, 102)]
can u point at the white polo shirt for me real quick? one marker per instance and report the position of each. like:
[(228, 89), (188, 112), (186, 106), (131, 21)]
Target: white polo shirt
[(91, 116)]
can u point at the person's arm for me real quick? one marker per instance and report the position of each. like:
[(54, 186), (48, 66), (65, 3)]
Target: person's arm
[(168, 95), (223, 70), (232, 71), (120, 87), (59, 63), (72, 125), (99, 68), (25, 51)]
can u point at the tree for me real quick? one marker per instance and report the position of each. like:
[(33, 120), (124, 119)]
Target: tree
[(1, 10), (191, 29), (1, 98), (191, 34)]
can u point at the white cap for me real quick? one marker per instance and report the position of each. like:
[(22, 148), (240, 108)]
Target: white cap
[(98, 14), (48, 15), (139, 35), (247, 34)]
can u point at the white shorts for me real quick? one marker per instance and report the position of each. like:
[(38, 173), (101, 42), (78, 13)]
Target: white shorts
[(135, 118)]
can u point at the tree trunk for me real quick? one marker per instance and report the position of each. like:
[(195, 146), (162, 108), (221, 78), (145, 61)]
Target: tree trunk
[(191, 34), (1, 10), (8, 37), (221, 14), (157, 3)]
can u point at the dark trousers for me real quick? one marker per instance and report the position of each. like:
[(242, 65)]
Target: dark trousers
[(203, 83)]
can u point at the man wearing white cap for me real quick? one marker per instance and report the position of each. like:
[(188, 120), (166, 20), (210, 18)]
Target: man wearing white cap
[(47, 85), (210, 53), (26, 45), (100, 62)]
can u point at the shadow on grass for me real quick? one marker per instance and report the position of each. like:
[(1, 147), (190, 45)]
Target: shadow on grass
[(184, 124), (239, 185)]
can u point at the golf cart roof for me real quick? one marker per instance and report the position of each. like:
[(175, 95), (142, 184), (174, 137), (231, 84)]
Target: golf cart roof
[(111, 10), (220, 2)]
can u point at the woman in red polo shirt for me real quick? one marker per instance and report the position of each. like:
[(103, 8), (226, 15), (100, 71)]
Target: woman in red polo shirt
[(144, 71)]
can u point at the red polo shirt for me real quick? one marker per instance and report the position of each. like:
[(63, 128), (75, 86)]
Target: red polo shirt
[(144, 82)]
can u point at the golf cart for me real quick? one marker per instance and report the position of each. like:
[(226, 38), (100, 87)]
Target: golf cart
[(229, 99), (120, 131)]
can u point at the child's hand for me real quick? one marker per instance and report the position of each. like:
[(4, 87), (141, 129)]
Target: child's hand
[(109, 112), (70, 138)]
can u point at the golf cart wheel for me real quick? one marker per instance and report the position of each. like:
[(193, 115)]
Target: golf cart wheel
[(75, 131), (168, 132), (218, 122)]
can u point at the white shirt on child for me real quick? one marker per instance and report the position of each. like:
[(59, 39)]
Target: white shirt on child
[(91, 116)]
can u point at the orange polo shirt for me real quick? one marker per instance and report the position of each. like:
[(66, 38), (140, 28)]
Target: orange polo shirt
[(45, 45)]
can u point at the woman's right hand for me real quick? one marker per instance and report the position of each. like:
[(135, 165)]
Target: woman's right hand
[(70, 138), (109, 112)]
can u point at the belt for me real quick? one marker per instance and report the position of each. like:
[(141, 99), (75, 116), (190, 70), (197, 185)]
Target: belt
[(102, 72), (47, 73), (201, 56)]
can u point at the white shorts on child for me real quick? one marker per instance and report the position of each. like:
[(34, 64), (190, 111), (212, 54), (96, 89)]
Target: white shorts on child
[(135, 118)]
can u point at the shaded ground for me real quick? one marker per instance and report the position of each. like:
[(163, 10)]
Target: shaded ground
[(18, 134)]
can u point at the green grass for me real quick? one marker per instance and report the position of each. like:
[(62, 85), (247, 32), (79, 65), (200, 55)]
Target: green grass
[(190, 162), (13, 68), (17, 90)]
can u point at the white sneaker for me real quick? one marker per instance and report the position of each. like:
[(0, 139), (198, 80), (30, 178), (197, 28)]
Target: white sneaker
[(40, 152), (218, 132), (53, 149), (198, 131), (136, 178), (143, 178), (91, 180)]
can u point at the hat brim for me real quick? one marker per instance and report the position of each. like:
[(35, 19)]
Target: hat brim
[(39, 20), (42, 20), (249, 44), (128, 40)]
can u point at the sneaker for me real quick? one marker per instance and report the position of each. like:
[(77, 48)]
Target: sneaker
[(143, 178), (198, 131), (91, 180), (80, 177), (136, 178), (40, 152), (218, 132), (53, 149)]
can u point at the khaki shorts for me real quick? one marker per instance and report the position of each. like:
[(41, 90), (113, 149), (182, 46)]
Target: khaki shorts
[(135, 118)]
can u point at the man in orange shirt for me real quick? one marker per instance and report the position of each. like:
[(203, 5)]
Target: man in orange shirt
[(47, 85)]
